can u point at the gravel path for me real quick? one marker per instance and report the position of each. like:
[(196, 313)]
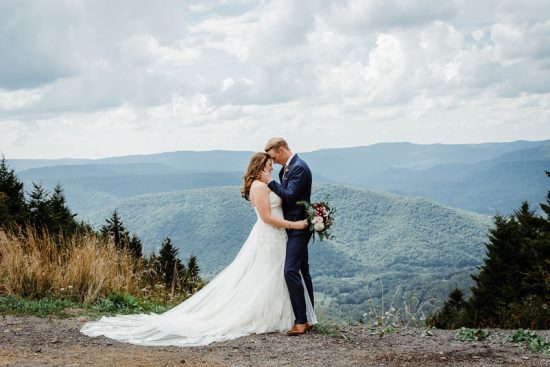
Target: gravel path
[(32, 341)]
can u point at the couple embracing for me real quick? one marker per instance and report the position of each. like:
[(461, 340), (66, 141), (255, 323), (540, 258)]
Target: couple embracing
[(266, 288)]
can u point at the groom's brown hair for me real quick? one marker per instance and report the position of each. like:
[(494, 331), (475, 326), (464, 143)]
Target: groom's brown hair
[(275, 143)]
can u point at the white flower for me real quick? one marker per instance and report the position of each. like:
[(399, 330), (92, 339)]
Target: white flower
[(319, 219), (319, 226)]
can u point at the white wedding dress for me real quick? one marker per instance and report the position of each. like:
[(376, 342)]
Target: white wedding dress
[(249, 296)]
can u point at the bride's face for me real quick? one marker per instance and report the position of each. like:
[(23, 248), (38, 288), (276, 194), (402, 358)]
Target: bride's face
[(268, 166)]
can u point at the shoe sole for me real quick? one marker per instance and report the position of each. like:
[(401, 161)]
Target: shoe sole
[(295, 333)]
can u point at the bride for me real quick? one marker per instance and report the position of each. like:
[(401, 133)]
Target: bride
[(249, 296)]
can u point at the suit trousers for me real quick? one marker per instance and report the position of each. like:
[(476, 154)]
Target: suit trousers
[(296, 262)]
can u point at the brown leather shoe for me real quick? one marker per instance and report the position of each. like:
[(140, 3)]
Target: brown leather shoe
[(298, 329), (309, 326)]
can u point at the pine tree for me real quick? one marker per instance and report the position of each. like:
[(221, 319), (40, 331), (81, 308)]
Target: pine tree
[(135, 247), (191, 280), (13, 209), (453, 314), (512, 288), (169, 263), (39, 208), (4, 210), (62, 219), (546, 207), (115, 230), (505, 279), (193, 268)]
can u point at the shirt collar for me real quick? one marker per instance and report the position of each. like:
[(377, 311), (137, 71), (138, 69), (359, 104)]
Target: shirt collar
[(290, 159)]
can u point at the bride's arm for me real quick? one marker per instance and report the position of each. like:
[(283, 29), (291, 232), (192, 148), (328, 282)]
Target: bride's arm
[(260, 194)]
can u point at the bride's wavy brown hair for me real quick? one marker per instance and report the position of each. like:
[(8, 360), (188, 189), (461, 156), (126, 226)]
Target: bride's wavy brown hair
[(253, 172)]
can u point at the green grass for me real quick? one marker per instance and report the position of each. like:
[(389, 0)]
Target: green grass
[(326, 327), (532, 341), (115, 303), (470, 335), (126, 304), (11, 305)]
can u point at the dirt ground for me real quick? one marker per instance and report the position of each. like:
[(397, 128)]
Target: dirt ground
[(32, 341)]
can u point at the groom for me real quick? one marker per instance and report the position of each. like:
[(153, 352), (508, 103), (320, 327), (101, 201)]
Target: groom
[(295, 178)]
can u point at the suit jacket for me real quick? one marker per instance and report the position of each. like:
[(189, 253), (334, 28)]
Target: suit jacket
[(295, 186)]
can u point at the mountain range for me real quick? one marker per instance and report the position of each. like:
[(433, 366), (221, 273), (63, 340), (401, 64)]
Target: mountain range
[(484, 178)]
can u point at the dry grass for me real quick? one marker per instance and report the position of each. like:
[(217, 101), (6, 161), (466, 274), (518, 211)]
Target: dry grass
[(82, 267)]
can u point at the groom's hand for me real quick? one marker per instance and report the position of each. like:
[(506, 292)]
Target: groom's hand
[(266, 177)]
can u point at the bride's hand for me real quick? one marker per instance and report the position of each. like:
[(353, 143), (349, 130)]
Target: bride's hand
[(302, 224), (265, 177)]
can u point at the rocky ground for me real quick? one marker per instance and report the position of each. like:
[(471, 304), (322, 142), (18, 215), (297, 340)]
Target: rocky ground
[(32, 341)]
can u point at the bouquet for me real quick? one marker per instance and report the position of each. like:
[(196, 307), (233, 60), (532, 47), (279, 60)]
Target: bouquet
[(320, 218)]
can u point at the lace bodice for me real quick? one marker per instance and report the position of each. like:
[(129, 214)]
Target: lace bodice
[(274, 200), (268, 233), (276, 204)]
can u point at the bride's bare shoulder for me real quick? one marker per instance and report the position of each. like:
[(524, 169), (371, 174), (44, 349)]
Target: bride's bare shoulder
[(258, 185)]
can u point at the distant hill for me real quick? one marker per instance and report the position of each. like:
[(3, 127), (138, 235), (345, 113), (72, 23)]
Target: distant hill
[(356, 166), (373, 158), (210, 161), (488, 187), (93, 186), (486, 178), (410, 242)]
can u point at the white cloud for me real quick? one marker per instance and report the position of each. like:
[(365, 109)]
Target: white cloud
[(229, 74), (145, 49), (373, 15), (17, 99)]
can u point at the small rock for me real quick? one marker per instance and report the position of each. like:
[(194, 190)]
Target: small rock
[(55, 341), (39, 350), (182, 361), (524, 357)]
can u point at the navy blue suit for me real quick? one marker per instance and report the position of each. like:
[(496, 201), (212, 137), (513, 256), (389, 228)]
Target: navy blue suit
[(296, 186)]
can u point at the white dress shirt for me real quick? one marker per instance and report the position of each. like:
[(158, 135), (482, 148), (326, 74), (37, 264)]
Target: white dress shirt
[(290, 159)]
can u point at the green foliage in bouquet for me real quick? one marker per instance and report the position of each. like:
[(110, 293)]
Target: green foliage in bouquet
[(320, 217)]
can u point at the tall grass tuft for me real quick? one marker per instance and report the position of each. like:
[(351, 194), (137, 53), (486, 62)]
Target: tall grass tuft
[(81, 267), (387, 317)]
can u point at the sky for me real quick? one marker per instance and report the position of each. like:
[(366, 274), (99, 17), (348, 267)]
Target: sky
[(98, 78)]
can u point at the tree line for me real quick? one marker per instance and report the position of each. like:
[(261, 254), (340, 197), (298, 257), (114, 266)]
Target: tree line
[(512, 287)]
